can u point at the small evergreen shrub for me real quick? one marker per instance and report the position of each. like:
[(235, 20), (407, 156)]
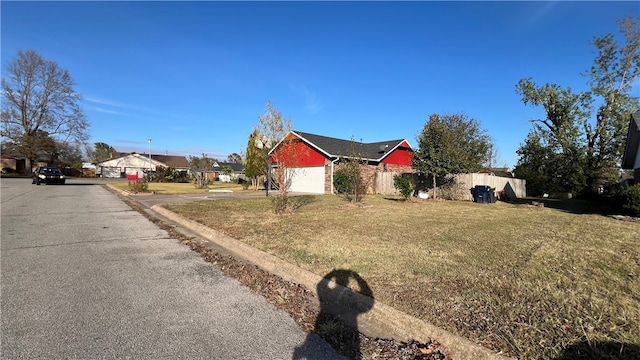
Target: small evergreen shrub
[(342, 181), (349, 182), (143, 185), (631, 196), (404, 185)]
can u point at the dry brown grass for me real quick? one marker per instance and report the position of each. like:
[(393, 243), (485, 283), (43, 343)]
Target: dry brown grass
[(530, 282), (183, 188)]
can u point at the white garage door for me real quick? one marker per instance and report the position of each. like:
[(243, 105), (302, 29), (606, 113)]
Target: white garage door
[(308, 180), (110, 172)]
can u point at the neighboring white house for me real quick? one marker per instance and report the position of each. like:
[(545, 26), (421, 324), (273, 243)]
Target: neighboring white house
[(133, 163)]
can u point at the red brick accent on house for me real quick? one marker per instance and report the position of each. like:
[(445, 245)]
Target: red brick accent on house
[(369, 173)]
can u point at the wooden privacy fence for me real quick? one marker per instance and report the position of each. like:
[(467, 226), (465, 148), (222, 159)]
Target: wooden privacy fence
[(384, 183), (513, 187)]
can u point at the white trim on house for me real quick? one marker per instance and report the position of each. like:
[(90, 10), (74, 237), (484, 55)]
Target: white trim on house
[(128, 164)]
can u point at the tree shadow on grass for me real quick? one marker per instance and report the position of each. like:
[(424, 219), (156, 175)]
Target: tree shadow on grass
[(602, 206), (299, 201), (600, 350), (337, 322), (396, 199)]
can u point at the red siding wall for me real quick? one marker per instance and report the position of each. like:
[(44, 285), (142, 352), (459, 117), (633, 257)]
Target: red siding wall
[(400, 156), (302, 155)]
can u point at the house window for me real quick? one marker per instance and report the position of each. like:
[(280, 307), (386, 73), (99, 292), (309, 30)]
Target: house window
[(384, 167)]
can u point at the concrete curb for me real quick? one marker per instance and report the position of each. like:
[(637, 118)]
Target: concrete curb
[(381, 321)]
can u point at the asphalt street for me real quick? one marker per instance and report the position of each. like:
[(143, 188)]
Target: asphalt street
[(84, 276)]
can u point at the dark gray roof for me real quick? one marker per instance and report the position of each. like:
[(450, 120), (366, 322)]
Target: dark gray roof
[(174, 161), (633, 142), (237, 168), (333, 147)]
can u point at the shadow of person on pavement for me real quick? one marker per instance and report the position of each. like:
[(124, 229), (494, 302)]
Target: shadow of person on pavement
[(343, 295)]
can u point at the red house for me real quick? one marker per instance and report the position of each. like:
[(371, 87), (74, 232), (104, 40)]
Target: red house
[(315, 158)]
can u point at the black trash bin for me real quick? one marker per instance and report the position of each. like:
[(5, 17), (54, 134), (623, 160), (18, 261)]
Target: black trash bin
[(482, 194)]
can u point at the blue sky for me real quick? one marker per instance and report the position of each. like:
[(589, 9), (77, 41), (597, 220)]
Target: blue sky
[(195, 76)]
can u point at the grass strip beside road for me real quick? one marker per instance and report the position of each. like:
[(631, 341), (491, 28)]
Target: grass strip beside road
[(183, 188), (531, 282)]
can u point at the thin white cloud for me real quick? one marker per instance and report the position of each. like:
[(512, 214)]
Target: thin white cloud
[(107, 111), (130, 110), (541, 12), (311, 102), (104, 102)]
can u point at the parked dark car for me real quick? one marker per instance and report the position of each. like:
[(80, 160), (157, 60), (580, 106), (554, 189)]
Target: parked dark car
[(48, 175)]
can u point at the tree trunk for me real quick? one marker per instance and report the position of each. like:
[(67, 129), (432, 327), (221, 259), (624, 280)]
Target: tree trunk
[(434, 186), (27, 165)]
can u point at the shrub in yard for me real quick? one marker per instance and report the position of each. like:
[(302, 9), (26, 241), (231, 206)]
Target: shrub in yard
[(244, 183), (342, 181), (349, 182), (452, 190), (404, 185), (631, 197), (142, 185)]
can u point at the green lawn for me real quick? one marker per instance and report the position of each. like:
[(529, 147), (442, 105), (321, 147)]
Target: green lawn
[(524, 280)]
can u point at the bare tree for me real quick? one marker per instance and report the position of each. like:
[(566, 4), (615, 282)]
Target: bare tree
[(349, 177), (199, 166), (286, 157), (274, 139), (38, 95)]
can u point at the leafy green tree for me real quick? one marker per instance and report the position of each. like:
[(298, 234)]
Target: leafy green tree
[(559, 133), (38, 95), (451, 144), (255, 165), (101, 151), (547, 171), (227, 170), (38, 143), (631, 197), (586, 131), (612, 75)]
